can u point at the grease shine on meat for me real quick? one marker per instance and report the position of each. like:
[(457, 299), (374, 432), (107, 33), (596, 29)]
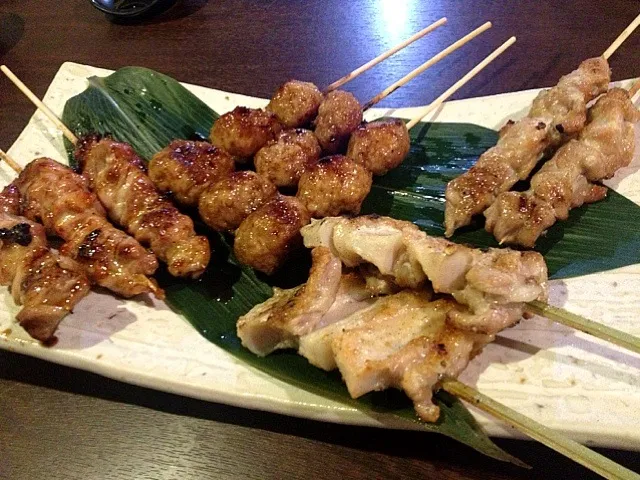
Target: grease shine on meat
[(339, 114), (296, 103), (380, 146)]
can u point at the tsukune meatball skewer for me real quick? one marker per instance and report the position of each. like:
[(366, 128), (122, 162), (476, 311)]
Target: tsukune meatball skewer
[(295, 103), (119, 179)]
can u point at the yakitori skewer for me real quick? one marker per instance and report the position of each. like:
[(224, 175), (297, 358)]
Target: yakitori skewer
[(556, 115), (58, 197), (372, 63)]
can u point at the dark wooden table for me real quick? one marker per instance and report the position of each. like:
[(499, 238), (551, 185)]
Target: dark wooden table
[(57, 422)]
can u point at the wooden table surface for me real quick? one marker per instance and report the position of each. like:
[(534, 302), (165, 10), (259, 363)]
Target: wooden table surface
[(57, 422)]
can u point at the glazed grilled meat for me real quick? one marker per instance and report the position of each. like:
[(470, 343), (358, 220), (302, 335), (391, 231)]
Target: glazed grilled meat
[(339, 115), (187, 168), (556, 114), (379, 146), (283, 160), (225, 204), (267, 237), (296, 103), (60, 199), (334, 186), (567, 181), (118, 177), (243, 131)]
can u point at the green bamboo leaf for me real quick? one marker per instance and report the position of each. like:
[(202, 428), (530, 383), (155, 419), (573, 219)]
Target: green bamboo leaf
[(148, 110)]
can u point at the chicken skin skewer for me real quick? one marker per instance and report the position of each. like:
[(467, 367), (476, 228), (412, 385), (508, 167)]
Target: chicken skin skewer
[(555, 115), (46, 284), (567, 181), (60, 199), (119, 179)]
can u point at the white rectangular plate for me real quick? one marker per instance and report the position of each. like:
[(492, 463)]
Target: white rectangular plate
[(568, 381)]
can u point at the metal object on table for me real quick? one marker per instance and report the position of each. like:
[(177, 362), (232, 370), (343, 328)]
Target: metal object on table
[(131, 9)]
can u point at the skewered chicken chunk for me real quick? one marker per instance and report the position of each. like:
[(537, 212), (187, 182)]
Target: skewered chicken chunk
[(338, 116), (333, 186), (187, 168), (556, 114), (47, 285), (118, 177), (493, 284), (270, 234), (379, 146), (283, 160), (243, 131), (565, 182), (53, 194), (295, 103), (225, 204)]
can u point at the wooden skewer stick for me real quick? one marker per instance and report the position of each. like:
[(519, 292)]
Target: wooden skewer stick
[(11, 162), (634, 91), (621, 38), (575, 451), (585, 325), (432, 61), (41, 106), (460, 83), (372, 63)]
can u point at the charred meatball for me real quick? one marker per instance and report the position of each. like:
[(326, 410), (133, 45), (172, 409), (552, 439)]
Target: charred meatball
[(270, 234), (243, 131), (225, 204), (187, 168), (379, 146), (339, 115), (334, 186), (296, 103), (283, 160)]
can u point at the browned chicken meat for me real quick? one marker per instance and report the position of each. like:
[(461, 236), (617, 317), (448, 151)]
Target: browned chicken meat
[(283, 160), (556, 114), (225, 204), (118, 177), (296, 103), (60, 199), (493, 284), (269, 235), (338, 116), (333, 186), (567, 181), (379, 146), (243, 131), (187, 168)]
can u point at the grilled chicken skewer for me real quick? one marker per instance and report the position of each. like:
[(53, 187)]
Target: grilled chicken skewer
[(53, 194), (555, 115), (568, 180), (46, 284)]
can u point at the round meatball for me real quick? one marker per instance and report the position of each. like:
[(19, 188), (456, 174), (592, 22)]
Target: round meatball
[(270, 234), (187, 168), (334, 186), (225, 204), (295, 103), (379, 146), (283, 160), (243, 131), (339, 114)]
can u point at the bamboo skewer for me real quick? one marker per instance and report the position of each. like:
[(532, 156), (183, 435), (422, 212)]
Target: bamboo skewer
[(558, 442), (432, 61), (460, 83), (372, 63), (634, 91), (621, 38)]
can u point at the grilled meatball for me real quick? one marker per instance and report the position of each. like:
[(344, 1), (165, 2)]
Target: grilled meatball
[(243, 131), (270, 234), (334, 186), (283, 160), (295, 103), (339, 115), (379, 146), (225, 204), (187, 168)]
